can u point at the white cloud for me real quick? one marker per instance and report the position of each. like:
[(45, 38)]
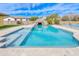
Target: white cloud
[(58, 8)]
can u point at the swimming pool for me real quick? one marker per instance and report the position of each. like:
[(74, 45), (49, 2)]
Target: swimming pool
[(47, 36)]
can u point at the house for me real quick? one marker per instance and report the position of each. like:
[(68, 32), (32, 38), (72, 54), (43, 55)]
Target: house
[(9, 20), (25, 21), (15, 20)]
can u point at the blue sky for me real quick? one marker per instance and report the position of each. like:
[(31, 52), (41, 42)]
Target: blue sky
[(38, 9)]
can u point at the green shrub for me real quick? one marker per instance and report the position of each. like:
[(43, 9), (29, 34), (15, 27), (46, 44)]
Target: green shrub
[(53, 19), (49, 21), (56, 21), (33, 18)]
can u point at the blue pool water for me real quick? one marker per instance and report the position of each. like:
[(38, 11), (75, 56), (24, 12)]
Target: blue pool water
[(49, 36)]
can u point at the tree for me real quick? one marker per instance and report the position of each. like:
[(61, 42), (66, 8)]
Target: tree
[(49, 21), (33, 18), (53, 19), (56, 21), (2, 16), (54, 16)]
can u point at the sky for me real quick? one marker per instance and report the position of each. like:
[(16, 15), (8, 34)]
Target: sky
[(38, 9)]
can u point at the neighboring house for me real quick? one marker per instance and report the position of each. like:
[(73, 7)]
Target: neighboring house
[(9, 20), (25, 21), (15, 20)]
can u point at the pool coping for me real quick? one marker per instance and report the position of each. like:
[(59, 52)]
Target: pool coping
[(39, 51)]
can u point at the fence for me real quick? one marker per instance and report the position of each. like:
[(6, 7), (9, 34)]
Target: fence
[(69, 22)]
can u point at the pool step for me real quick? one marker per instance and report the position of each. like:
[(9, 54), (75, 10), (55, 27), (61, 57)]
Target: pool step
[(2, 42), (25, 34), (11, 32), (12, 39), (2, 39), (21, 39)]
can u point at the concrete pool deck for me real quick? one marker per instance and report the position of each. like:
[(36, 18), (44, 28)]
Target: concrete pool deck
[(9, 30), (39, 51), (34, 51)]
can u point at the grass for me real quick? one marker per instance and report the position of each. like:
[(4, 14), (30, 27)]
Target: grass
[(7, 26)]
